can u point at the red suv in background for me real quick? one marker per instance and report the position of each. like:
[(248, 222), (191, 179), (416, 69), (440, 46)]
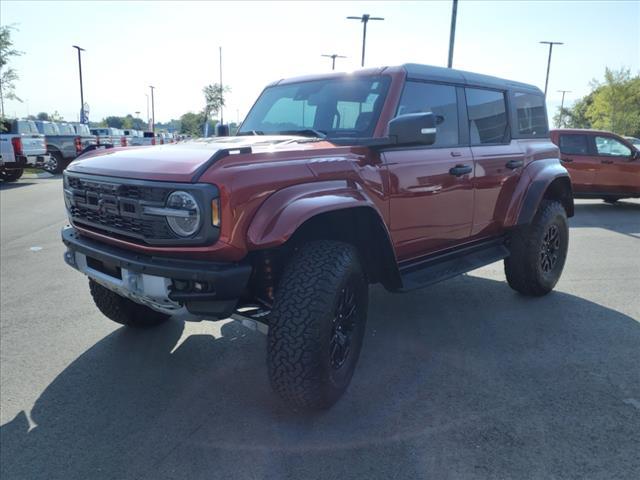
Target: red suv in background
[(601, 164)]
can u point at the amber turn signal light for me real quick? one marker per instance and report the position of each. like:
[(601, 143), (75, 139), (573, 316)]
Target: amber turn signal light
[(215, 212)]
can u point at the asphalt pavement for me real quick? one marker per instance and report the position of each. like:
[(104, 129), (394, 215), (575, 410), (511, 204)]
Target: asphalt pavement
[(465, 379)]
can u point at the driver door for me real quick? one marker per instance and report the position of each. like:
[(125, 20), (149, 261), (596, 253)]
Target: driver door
[(430, 187)]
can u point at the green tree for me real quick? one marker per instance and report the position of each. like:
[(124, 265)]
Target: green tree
[(114, 122), (576, 116), (191, 124), (8, 75), (616, 103), (214, 96), (42, 116)]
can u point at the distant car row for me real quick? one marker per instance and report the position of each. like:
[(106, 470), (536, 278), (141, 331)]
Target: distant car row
[(53, 145)]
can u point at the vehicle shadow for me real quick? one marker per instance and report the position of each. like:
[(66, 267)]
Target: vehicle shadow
[(621, 217), (462, 380), (12, 185)]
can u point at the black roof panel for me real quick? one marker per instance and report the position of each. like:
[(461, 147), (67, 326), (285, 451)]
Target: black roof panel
[(440, 74)]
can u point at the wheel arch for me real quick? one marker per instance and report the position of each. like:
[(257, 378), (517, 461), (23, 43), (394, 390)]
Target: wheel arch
[(331, 210), (548, 180)]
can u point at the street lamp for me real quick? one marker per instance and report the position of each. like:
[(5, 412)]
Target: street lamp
[(333, 57), (452, 32), (153, 111), (82, 115), (551, 44), (364, 19), (562, 106)]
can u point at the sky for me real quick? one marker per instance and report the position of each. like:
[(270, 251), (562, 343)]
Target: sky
[(174, 46)]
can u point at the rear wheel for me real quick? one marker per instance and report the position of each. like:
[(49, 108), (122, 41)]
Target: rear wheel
[(122, 310), (11, 175), (539, 251), (316, 327), (55, 164)]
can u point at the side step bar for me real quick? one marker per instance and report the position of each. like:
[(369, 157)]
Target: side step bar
[(443, 266)]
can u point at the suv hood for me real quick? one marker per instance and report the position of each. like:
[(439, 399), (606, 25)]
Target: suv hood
[(179, 162)]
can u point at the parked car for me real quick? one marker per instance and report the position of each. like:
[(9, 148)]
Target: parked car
[(134, 137), (601, 164), (634, 141), (64, 143), (150, 138), (403, 176), (21, 145), (110, 136)]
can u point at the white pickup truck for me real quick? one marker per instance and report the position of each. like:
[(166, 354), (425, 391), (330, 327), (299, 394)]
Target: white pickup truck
[(21, 145)]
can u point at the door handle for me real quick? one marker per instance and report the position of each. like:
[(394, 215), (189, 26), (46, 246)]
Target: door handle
[(513, 164), (607, 161), (567, 160), (456, 154), (460, 170)]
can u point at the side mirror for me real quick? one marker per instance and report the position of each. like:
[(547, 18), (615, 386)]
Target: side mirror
[(413, 129), (635, 155)]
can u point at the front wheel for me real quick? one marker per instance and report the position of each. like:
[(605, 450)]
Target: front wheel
[(317, 323), (538, 251)]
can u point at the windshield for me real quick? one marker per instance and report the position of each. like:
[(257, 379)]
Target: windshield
[(342, 107)]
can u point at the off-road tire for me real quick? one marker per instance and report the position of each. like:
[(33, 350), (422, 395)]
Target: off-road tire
[(11, 175), (302, 324), (525, 267), (122, 310)]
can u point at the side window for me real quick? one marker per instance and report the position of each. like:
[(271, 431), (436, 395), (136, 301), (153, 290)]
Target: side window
[(487, 116), (574, 144), (612, 147), (439, 99), (532, 118)]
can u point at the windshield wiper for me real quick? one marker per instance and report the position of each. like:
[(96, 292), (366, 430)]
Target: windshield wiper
[(306, 132)]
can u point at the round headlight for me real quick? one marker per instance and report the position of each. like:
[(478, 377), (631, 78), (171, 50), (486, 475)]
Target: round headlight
[(186, 220)]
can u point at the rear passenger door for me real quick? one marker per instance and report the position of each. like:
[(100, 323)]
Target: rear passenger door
[(576, 155), (431, 195), (498, 159)]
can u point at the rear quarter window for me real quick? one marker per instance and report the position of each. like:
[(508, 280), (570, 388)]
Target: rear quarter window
[(531, 115)]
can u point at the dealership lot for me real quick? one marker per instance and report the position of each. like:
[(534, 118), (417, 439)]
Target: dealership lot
[(465, 379)]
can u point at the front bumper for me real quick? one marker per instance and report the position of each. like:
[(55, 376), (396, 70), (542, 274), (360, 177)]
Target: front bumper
[(163, 284)]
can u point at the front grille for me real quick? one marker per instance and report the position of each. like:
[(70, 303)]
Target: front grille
[(115, 207), (112, 207)]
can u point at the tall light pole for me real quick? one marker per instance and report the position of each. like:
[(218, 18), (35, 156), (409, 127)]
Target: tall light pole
[(333, 57), (452, 32), (82, 115), (148, 117), (153, 111), (364, 19), (551, 44), (562, 107), (221, 89)]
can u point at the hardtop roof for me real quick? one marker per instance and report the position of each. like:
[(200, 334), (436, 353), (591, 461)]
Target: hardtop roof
[(416, 71)]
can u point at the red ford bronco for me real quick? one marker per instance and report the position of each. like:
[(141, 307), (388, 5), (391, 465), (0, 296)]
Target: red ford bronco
[(403, 176)]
